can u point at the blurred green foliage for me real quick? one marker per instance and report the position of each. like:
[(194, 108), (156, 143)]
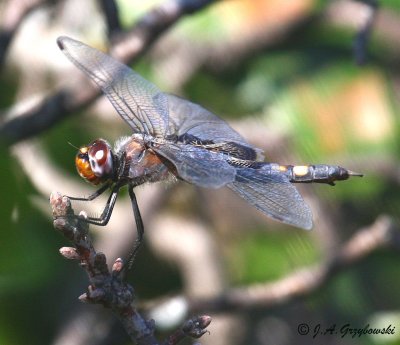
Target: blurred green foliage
[(308, 87), (260, 257)]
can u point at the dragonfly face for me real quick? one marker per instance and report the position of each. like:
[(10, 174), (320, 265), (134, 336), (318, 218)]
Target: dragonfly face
[(172, 136), (95, 162)]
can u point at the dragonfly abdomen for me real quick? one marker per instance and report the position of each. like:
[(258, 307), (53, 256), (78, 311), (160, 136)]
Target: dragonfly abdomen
[(317, 173)]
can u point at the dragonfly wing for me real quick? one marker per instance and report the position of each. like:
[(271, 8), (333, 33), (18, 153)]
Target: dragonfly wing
[(190, 118), (197, 165), (272, 194), (140, 103)]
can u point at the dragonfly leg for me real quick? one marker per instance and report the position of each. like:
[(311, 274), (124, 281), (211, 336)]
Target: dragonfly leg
[(93, 195), (139, 227), (106, 214)]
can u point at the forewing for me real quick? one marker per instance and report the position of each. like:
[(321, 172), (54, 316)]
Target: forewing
[(140, 103), (272, 194), (197, 165), (187, 117)]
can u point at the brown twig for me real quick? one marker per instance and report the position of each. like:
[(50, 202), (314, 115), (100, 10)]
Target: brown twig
[(129, 48), (108, 288), (193, 328), (384, 233), (105, 288)]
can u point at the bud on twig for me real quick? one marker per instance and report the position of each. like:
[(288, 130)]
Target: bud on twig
[(117, 266), (196, 326), (69, 253)]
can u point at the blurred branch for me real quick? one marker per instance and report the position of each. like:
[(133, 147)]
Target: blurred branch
[(364, 32), (108, 288), (40, 117), (359, 14), (14, 13), (110, 11), (384, 233), (129, 48), (233, 49)]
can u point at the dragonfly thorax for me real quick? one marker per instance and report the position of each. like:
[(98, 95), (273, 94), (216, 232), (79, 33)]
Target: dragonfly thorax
[(95, 162), (142, 163)]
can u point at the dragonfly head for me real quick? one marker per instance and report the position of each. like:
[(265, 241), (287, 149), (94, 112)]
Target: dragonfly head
[(94, 162)]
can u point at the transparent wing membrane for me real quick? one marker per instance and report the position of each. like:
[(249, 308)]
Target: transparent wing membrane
[(140, 103), (190, 118), (273, 194), (197, 165)]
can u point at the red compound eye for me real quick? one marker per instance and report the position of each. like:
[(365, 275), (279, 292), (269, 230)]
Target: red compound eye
[(94, 162), (83, 166), (99, 151)]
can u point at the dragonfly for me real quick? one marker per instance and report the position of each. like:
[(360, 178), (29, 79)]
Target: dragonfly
[(172, 136)]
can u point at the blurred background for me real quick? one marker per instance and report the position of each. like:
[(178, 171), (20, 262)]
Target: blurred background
[(308, 81)]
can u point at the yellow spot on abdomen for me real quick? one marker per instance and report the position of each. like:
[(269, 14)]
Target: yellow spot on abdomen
[(300, 170), (282, 168)]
